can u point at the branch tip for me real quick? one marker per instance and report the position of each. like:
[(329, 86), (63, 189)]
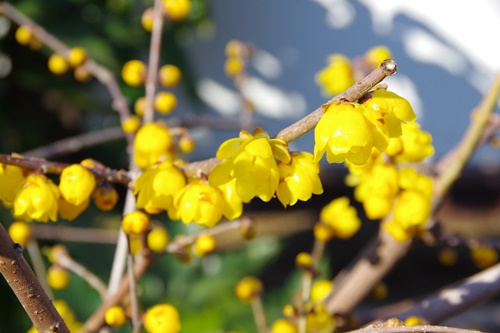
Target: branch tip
[(389, 66)]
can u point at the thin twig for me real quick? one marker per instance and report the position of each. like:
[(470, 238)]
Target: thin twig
[(27, 288), (154, 58), (134, 301), (259, 315), (38, 265), (73, 234), (63, 258)]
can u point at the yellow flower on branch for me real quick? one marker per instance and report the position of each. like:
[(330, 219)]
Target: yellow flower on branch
[(337, 76), (162, 318), (342, 217), (11, 178), (37, 199), (157, 186), (250, 160), (152, 143), (299, 179), (77, 184)]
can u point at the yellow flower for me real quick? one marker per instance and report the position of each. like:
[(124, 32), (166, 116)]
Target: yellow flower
[(11, 178), (391, 103), (299, 179), (342, 217), (152, 143), (377, 190), (248, 288), (198, 202), (77, 184), (204, 245), (346, 133), (234, 65), (250, 159), (303, 260), (70, 211), (158, 239), (177, 10), (37, 199), (58, 64), (162, 318), (169, 76), (165, 102), (320, 289), (320, 321), (115, 316), (24, 35), (283, 326), (337, 76), (135, 223), (57, 277), (77, 56), (413, 209), (147, 19), (131, 124), (20, 232), (134, 73), (377, 54), (416, 144), (157, 186)]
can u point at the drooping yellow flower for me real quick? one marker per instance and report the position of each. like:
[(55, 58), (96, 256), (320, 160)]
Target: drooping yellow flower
[(77, 184), (233, 207), (377, 190), (11, 178), (152, 143), (337, 76), (299, 179), (157, 186), (344, 133), (162, 318), (250, 160), (342, 217), (198, 202), (37, 199), (416, 144), (377, 54), (70, 211), (391, 103)]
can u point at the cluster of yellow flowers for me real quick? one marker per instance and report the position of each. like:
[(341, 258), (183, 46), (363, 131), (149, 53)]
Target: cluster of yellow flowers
[(35, 196)]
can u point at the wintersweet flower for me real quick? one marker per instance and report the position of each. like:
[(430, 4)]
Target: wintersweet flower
[(152, 143), (248, 288), (250, 160), (299, 179), (233, 207), (342, 217), (337, 76), (391, 103), (162, 318), (156, 187), (345, 133), (77, 184), (37, 199), (198, 202), (11, 178), (70, 211), (105, 196), (416, 144), (377, 54)]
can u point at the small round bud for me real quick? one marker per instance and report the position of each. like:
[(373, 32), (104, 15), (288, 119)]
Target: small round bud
[(323, 232), (24, 35), (20, 232), (414, 321), (234, 66), (290, 311), (177, 10), (115, 316), (82, 74), (186, 144), (135, 223), (57, 277), (158, 239), (169, 76), (248, 288), (204, 245), (105, 196), (140, 106), (320, 289), (77, 56), (283, 326), (131, 124), (303, 260), (134, 73), (147, 19), (58, 64), (234, 48), (165, 102), (77, 184)]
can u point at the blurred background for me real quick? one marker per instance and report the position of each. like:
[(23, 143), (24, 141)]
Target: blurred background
[(447, 59)]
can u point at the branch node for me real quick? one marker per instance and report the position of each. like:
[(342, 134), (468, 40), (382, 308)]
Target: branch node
[(389, 66)]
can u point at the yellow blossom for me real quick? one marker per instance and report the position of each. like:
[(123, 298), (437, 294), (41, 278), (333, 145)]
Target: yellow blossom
[(57, 277), (37, 199), (303, 260), (283, 326), (77, 184), (115, 316), (337, 76), (177, 10), (70, 211), (169, 76), (412, 209), (377, 54), (158, 239), (11, 178), (157, 186), (391, 103), (204, 245), (416, 144), (248, 288), (250, 160), (162, 318), (320, 289), (320, 321), (134, 73), (135, 223), (198, 202), (77, 56), (299, 179), (342, 217), (152, 143), (20, 232)]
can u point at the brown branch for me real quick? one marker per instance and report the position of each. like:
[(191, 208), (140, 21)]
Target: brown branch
[(154, 59), (444, 303), (73, 234), (415, 329), (28, 290), (120, 103), (33, 163)]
